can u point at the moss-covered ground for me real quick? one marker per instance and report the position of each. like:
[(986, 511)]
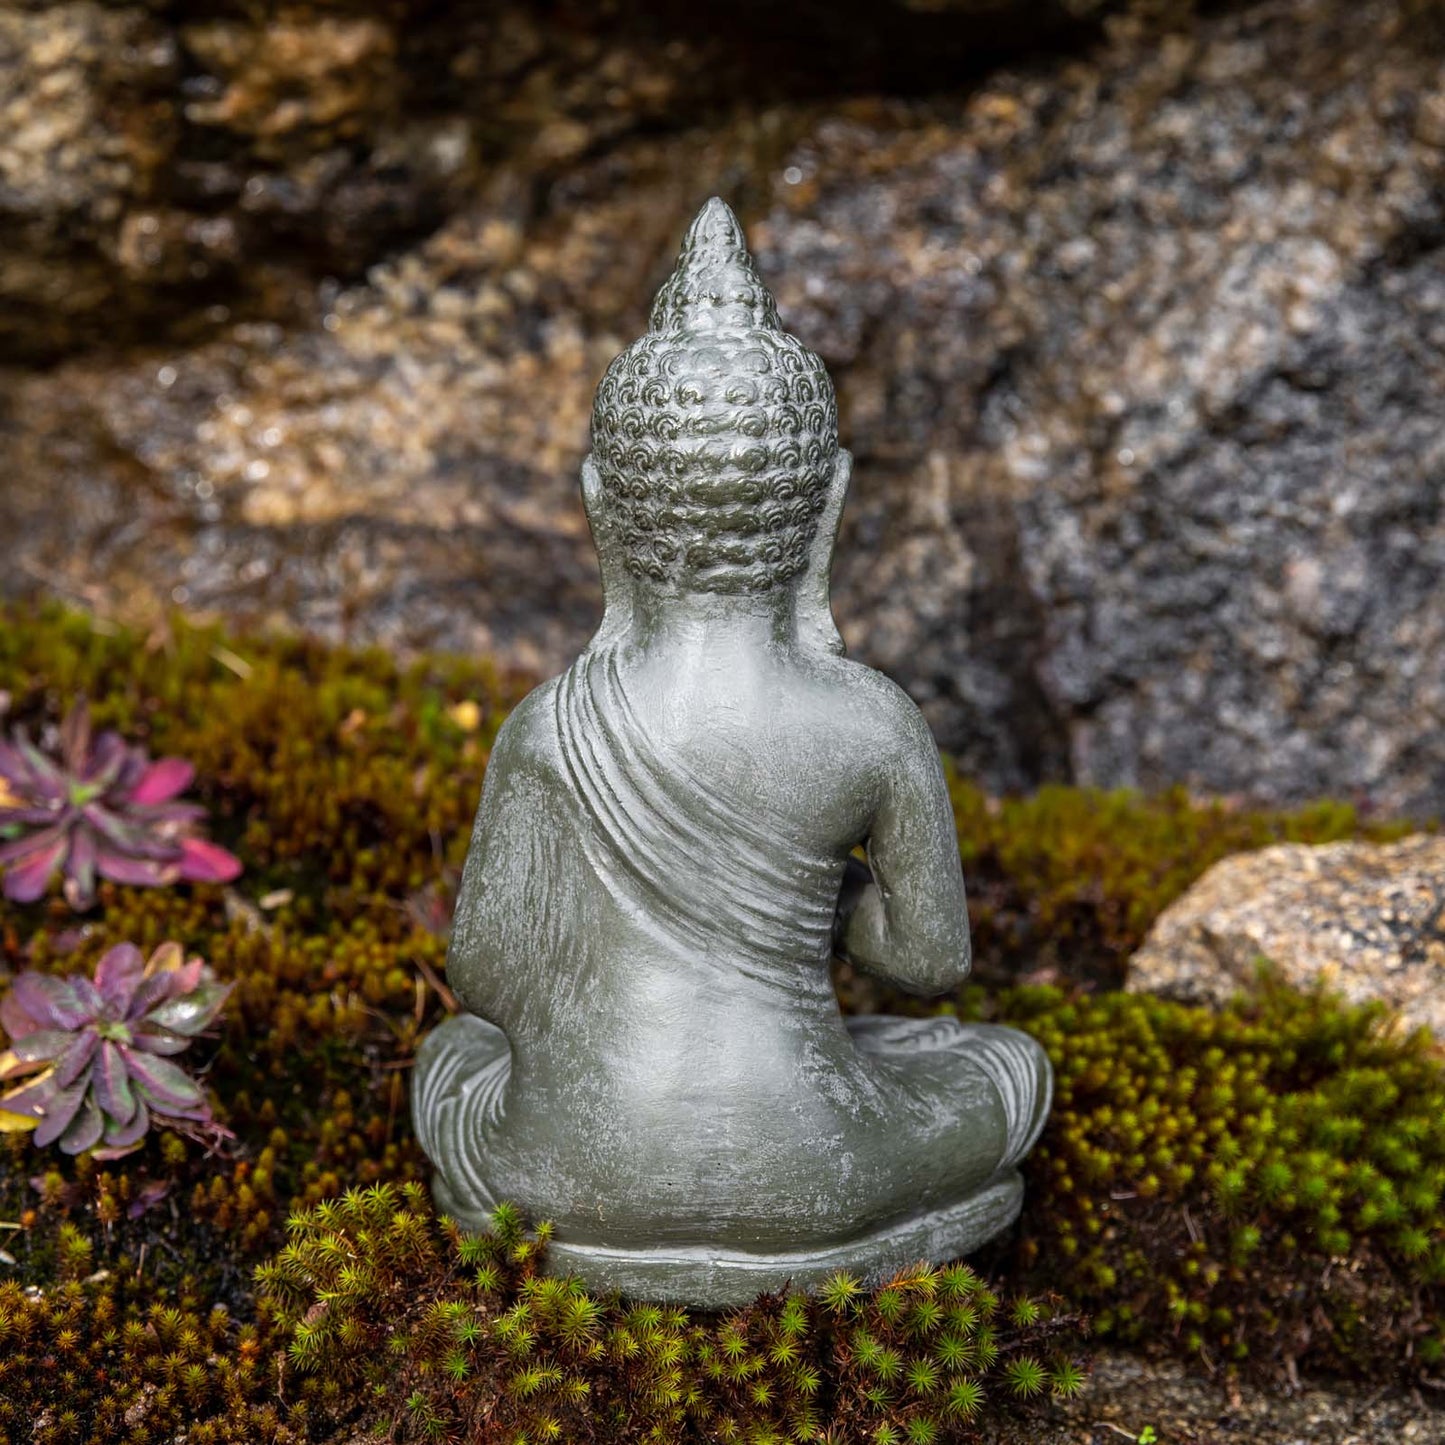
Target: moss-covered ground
[(1259, 1190)]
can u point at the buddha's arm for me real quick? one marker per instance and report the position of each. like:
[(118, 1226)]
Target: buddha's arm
[(504, 906), (909, 923), (473, 967)]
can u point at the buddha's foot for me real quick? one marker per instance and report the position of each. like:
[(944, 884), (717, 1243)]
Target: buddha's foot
[(1015, 1064), (456, 1092)]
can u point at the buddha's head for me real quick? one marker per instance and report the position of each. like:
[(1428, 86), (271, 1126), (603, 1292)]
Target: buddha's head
[(715, 435)]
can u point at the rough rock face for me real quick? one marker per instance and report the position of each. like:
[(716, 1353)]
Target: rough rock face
[(162, 167), (67, 174), (1139, 353), (1141, 361), (1365, 919), (166, 166)]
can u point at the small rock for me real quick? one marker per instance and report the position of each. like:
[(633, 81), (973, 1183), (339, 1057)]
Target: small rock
[(1365, 919)]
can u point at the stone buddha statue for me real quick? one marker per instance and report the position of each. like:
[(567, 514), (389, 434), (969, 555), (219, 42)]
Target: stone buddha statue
[(652, 1055)]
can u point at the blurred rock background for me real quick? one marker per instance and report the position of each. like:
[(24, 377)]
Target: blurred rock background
[(1137, 318)]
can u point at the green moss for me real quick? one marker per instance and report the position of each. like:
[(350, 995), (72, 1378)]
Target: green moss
[(1251, 1187), (384, 1306), (109, 1358), (1262, 1184)]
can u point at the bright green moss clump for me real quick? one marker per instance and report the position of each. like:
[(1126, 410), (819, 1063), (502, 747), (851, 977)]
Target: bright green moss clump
[(1260, 1185), (1260, 1188), (445, 1332)]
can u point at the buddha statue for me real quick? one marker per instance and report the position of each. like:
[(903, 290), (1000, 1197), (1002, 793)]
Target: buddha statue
[(651, 1053)]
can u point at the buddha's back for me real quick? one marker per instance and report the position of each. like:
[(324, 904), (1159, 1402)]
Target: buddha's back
[(674, 1034)]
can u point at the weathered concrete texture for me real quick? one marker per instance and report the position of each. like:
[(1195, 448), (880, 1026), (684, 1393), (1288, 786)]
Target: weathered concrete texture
[(1366, 919), (1139, 353)]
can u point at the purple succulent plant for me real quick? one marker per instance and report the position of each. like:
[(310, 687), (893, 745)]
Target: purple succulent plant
[(101, 807), (98, 1049)]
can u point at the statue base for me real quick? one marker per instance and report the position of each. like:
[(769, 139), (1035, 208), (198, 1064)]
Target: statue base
[(719, 1279)]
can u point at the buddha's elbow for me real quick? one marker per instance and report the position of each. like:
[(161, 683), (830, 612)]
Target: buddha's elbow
[(470, 975), (939, 966), (464, 985)]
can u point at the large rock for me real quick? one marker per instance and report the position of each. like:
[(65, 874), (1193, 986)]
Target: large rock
[(68, 174), (1142, 358), (164, 167), (1367, 920), (150, 159), (1140, 355)]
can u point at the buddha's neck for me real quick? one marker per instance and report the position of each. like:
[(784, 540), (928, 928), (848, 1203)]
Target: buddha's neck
[(710, 623)]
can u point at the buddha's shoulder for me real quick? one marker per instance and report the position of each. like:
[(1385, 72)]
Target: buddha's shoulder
[(868, 699), (527, 738)]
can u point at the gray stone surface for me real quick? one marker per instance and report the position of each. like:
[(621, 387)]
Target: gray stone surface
[(1365, 919), (651, 1053), (165, 166), (1139, 353), (1142, 361)]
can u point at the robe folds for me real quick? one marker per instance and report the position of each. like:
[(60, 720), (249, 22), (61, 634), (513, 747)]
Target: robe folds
[(711, 875)]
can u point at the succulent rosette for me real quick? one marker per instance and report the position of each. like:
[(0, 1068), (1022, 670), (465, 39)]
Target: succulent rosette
[(94, 1055), (102, 808)]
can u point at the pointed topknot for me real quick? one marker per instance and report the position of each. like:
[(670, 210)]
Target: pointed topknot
[(715, 283)]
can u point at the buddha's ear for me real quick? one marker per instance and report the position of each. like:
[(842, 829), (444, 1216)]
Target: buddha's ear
[(814, 609), (616, 583), (592, 497)]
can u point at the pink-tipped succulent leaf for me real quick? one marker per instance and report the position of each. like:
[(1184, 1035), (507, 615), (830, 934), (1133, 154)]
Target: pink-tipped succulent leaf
[(91, 1056), (98, 807)]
